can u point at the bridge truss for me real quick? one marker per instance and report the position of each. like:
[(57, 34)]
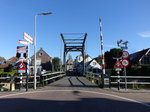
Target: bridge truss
[(74, 42)]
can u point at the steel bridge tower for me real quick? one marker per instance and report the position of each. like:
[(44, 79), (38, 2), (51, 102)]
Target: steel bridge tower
[(74, 45)]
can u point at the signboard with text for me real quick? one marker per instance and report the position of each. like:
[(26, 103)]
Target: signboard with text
[(28, 38)]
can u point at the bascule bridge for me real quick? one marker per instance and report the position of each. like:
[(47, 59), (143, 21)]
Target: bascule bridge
[(75, 43)]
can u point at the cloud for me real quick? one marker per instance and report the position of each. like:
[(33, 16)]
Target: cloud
[(144, 34)]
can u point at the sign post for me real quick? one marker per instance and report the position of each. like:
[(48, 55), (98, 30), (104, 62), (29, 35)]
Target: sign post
[(125, 55), (118, 66), (29, 40), (24, 49), (21, 69), (27, 73)]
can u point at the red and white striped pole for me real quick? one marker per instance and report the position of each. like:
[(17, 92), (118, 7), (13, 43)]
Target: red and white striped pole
[(102, 46)]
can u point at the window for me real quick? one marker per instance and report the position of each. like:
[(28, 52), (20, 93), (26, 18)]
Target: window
[(94, 63), (145, 60), (40, 54)]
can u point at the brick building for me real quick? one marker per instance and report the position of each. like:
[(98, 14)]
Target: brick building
[(43, 59)]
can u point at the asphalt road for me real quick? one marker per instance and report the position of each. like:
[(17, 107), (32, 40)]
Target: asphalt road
[(74, 94)]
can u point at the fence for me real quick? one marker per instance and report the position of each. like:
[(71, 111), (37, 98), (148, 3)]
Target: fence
[(48, 78), (115, 81), (94, 77), (11, 83), (132, 81)]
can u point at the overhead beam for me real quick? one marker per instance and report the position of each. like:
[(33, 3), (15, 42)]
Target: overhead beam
[(62, 38), (84, 39), (73, 46), (74, 43), (74, 39)]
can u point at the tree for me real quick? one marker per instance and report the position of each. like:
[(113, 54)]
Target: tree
[(109, 55), (56, 63), (2, 60)]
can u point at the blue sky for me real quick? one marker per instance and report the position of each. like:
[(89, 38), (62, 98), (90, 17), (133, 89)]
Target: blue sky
[(121, 19)]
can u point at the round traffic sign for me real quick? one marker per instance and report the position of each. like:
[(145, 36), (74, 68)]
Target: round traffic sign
[(125, 62), (125, 54)]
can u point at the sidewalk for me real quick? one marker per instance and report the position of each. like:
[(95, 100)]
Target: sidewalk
[(129, 90)]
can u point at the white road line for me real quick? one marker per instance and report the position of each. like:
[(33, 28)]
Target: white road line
[(93, 92)]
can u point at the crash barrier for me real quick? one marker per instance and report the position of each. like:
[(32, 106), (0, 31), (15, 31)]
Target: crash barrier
[(12, 83)]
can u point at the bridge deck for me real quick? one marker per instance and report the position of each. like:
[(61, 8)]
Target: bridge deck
[(74, 94), (73, 81)]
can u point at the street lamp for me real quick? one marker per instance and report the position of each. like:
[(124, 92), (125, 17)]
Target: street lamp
[(46, 13)]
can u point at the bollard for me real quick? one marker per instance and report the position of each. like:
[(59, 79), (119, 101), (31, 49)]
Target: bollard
[(118, 84)]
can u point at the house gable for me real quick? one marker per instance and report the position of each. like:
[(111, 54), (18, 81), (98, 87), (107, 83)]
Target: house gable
[(141, 57), (93, 64), (145, 59), (43, 56)]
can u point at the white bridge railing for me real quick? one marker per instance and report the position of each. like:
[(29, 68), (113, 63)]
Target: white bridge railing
[(131, 79), (41, 80), (119, 80)]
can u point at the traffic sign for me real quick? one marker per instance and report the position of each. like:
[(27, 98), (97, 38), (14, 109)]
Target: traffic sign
[(118, 65), (118, 69), (125, 62), (124, 47), (22, 49), (21, 66), (28, 38), (125, 54), (22, 42)]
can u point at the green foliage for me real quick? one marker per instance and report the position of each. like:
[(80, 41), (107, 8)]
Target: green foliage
[(109, 55), (10, 71), (56, 63), (139, 70), (1, 70)]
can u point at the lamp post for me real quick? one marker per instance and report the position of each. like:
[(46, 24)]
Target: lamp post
[(46, 13)]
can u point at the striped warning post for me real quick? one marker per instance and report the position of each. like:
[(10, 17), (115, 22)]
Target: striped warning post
[(102, 46)]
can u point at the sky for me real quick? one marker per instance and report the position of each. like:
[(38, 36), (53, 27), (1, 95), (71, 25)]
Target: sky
[(127, 20)]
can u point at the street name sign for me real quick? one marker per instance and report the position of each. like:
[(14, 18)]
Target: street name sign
[(28, 38), (23, 42), (22, 49)]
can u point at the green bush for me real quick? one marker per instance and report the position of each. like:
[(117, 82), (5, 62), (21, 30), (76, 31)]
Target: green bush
[(139, 70), (11, 71)]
